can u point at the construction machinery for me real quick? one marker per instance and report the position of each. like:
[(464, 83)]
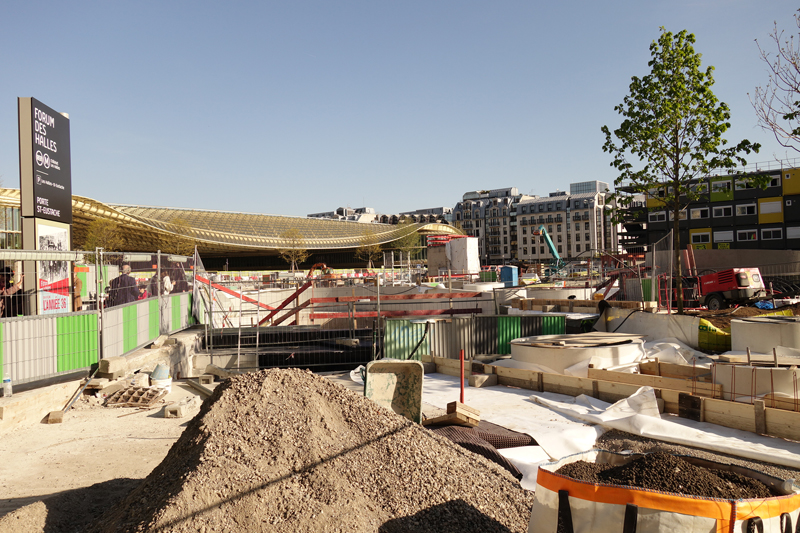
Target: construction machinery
[(558, 263), (326, 274), (719, 290)]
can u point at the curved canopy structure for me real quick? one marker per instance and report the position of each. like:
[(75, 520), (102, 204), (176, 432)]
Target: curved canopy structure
[(220, 232)]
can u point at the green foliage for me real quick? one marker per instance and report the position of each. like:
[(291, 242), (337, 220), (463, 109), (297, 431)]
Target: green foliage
[(672, 133), (369, 250), (409, 243), (672, 128), (294, 249)]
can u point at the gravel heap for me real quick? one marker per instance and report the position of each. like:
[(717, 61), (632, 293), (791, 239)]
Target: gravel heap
[(668, 473), (289, 451)]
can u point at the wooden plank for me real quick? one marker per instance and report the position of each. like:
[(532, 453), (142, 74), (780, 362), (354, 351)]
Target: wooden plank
[(649, 367), (759, 411), (782, 424), (685, 385), (458, 407), (458, 419)]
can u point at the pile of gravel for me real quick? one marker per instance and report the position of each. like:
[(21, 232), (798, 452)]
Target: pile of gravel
[(288, 451)]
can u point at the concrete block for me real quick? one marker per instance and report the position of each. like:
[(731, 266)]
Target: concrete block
[(112, 365), (206, 379), (176, 411), (429, 368), (159, 342), (220, 372), (483, 380), (55, 417)]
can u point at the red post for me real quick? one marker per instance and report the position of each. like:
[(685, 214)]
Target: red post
[(461, 356)]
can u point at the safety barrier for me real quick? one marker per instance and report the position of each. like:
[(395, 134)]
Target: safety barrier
[(34, 346)]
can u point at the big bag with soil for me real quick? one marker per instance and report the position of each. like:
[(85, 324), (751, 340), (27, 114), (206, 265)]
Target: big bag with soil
[(601, 491)]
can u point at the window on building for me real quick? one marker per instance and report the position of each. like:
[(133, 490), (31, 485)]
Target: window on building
[(775, 181), (541, 248), (524, 231), (701, 212), (458, 216), (550, 228), (742, 185), (505, 249), (541, 207), (588, 238), (793, 233), (577, 248), (770, 207), (559, 249), (771, 234), (524, 240), (701, 238), (681, 215), (723, 211), (477, 233), (477, 223), (577, 236), (549, 207), (559, 237), (747, 235), (658, 216), (558, 228), (720, 186), (748, 209), (558, 206), (585, 225), (723, 236), (577, 226), (524, 251)]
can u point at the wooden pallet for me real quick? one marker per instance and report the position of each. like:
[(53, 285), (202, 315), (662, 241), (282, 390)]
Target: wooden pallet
[(135, 397)]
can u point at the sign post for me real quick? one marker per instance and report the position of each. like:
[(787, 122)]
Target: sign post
[(46, 202)]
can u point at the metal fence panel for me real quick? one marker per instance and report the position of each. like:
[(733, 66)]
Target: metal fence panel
[(30, 348), (401, 336)]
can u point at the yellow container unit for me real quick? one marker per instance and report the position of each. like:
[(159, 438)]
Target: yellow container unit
[(770, 210), (791, 181)]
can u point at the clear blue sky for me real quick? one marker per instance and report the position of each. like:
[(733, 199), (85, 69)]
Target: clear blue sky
[(294, 107)]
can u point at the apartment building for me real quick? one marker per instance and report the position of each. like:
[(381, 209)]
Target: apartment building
[(578, 222), (731, 214)]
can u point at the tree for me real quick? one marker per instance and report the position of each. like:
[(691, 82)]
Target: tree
[(294, 249), (777, 105), (369, 249), (672, 132), (408, 244), (183, 242)]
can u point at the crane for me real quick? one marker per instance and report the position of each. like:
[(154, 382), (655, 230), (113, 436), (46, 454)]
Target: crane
[(558, 262)]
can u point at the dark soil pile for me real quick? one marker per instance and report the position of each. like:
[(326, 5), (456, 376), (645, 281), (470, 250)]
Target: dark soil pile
[(721, 318), (288, 451), (667, 473)]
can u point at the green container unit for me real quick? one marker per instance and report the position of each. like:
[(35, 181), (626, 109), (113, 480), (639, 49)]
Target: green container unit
[(130, 327), (175, 324), (76, 345), (401, 336), (153, 329), (488, 276), (493, 334)]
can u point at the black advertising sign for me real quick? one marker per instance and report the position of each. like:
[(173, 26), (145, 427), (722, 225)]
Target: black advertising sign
[(44, 162)]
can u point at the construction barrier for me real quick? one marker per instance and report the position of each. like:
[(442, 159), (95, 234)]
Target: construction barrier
[(713, 339)]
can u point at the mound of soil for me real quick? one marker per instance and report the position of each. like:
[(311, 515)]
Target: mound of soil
[(721, 318), (668, 473), (287, 451)]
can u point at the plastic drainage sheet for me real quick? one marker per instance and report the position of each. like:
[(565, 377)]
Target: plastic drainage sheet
[(558, 435), (638, 414)]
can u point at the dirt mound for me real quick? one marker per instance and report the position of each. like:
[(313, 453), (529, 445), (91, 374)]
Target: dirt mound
[(289, 451), (667, 473), (721, 318)]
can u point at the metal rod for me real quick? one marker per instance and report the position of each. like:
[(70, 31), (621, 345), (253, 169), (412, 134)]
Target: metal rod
[(461, 357)]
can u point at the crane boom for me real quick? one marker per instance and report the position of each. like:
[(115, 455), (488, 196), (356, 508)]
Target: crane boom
[(558, 262)]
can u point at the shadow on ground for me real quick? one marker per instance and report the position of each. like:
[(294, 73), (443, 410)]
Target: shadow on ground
[(68, 511), (453, 516)]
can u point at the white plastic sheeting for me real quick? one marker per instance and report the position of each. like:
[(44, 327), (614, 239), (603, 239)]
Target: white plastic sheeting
[(639, 415)]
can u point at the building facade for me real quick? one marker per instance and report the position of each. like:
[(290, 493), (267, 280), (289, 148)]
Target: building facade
[(731, 214), (504, 221)]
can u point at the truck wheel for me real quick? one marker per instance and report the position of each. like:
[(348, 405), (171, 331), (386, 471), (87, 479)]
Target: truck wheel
[(715, 302)]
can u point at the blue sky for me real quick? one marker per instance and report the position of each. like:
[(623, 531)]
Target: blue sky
[(298, 107)]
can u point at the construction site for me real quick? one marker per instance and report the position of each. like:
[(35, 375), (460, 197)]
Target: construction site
[(458, 398)]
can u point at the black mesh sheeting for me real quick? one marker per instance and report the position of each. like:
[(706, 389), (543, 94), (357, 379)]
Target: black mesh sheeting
[(485, 440)]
